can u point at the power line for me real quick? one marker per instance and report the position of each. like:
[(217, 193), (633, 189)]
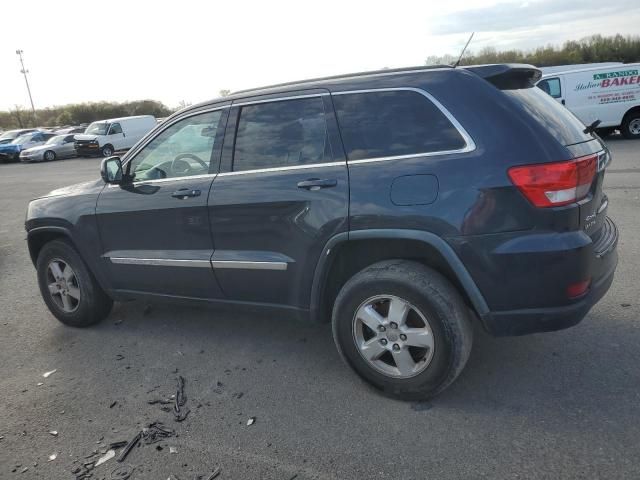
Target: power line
[(24, 71)]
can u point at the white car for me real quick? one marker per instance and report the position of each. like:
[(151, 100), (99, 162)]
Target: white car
[(107, 136), (60, 146), (607, 92)]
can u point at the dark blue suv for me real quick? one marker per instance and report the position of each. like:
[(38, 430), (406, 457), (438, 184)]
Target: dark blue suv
[(402, 205)]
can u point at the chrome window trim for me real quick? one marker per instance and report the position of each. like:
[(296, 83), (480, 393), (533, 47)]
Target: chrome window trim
[(166, 180), (249, 265), (281, 169), (164, 126), (159, 262), (242, 103), (470, 145)]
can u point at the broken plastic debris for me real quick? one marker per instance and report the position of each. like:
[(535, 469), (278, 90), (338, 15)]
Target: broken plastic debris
[(52, 457), (121, 473), (251, 421), (47, 374), (54, 433), (39, 384), (214, 474), (107, 456), (173, 450)]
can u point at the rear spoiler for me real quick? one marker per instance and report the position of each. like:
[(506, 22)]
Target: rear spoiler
[(508, 76)]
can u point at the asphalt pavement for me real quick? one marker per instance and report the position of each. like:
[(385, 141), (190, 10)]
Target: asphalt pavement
[(554, 405)]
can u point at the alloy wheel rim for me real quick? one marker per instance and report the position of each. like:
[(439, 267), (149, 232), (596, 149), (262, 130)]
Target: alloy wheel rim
[(107, 152), (634, 126), (63, 285), (393, 336), (49, 156)]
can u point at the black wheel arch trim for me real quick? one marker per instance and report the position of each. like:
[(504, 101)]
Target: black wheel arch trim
[(66, 233), (433, 240)]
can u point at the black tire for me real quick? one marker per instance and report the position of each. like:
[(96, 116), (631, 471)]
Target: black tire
[(94, 304), (49, 156), (435, 297), (630, 127), (106, 151)]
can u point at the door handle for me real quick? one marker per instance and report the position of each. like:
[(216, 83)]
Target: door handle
[(185, 193), (563, 102), (317, 184)]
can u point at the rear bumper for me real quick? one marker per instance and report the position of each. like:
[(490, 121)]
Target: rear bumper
[(534, 272), (523, 322)]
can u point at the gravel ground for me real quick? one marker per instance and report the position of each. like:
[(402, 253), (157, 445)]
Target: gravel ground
[(556, 405)]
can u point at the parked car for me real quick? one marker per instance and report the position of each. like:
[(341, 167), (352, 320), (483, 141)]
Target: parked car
[(107, 136), (608, 93), (401, 205), (10, 135), (11, 151), (64, 130), (58, 146)]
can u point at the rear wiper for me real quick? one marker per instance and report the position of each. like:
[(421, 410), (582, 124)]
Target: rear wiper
[(592, 128)]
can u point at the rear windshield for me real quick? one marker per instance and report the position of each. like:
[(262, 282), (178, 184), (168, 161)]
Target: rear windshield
[(555, 117)]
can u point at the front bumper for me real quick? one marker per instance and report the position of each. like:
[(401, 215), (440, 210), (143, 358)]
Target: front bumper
[(87, 149), (9, 156)]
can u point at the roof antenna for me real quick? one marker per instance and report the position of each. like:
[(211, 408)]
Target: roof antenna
[(463, 50)]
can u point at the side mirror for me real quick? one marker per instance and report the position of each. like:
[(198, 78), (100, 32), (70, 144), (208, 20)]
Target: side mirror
[(111, 170)]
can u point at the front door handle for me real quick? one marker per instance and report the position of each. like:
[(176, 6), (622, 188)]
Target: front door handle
[(185, 193), (317, 184)]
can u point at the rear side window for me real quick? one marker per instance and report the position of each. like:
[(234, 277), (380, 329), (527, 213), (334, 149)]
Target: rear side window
[(551, 86), (558, 120), (281, 134), (393, 123)]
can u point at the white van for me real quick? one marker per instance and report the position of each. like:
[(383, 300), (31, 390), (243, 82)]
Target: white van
[(106, 136), (607, 92)]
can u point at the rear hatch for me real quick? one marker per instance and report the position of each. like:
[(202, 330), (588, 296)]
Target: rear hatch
[(517, 82)]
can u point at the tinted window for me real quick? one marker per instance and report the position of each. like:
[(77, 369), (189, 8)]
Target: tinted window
[(386, 124), (183, 149), (558, 120), (115, 128), (551, 86), (281, 134)]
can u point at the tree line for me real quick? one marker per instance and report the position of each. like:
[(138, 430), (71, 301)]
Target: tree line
[(596, 48), (79, 113)]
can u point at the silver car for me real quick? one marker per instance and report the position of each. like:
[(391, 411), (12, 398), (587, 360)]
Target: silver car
[(60, 146)]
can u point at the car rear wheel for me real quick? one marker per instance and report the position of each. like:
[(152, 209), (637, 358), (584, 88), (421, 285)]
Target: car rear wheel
[(68, 288), (403, 328), (631, 126), (49, 155), (107, 151)]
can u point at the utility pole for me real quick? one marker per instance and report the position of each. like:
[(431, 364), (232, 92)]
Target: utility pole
[(24, 71)]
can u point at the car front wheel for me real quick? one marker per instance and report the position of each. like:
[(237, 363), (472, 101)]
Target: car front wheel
[(403, 328), (68, 288), (107, 151), (631, 126)]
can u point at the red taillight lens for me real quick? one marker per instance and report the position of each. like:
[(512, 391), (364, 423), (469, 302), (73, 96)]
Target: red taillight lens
[(576, 290), (555, 184)]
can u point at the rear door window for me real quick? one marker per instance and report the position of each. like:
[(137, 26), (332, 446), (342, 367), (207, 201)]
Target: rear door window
[(393, 123), (557, 119), (281, 134)]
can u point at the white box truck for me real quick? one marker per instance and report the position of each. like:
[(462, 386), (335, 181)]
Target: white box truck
[(608, 92), (106, 136)]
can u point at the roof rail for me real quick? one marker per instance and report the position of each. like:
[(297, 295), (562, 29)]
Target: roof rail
[(347, 75)]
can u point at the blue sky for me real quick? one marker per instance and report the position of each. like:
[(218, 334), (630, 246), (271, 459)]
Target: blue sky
[(188, 50)]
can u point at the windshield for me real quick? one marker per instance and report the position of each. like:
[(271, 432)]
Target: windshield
[(22, 139), (55, 140), (97, 128), (9, 134)]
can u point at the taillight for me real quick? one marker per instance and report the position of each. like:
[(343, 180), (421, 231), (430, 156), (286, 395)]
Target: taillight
[(555, 184)]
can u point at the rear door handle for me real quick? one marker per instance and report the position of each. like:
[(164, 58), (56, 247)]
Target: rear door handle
[(317, 184), (185, 193)]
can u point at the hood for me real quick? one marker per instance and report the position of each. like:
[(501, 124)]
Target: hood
[(82, 136), (39, 148), (93, 186), (10, 147)]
